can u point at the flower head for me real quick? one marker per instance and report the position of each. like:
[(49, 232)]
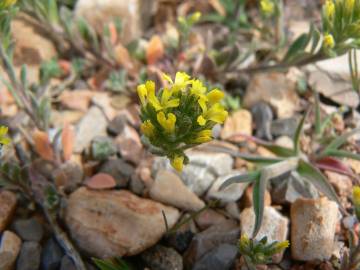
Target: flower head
[(4, 140), (329, 41), (280, 246), (329, 9), (179, 116), (267, 7), (178, 162)]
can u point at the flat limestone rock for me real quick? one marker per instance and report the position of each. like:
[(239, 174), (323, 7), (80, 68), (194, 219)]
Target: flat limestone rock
[(115, 223)]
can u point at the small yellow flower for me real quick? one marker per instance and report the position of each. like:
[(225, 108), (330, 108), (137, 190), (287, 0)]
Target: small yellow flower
[(281, 245), (195, 17), (178, 163), (216, 113), (329, 9), (349, 6), (356, 195), (4, 140), (215, 96), (244, 240), (168, 123), (267, 7), (203, 136), (147, 128), (145, 91), (181, 81), (7, 3), (329, 41)]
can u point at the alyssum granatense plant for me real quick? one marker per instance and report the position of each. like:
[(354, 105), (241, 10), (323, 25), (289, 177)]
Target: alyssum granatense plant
[(179, 116)]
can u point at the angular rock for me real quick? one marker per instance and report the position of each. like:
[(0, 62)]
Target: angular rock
[(263, 116), (7, 208), (162, 258), (285, 141), (290, 189), (201, 172), (313, 225), (119, 169), (169, 189), (274, 89), (231, 193), (101, 181), (117, 125), (51, 255), (102, 148), (68, 175), (223, 233), (92, 125), (274, 226), (248, 197), (10, 246), (29, 229), (284, 127), (222, 257), (341, 183), (208, 218), (239, 122), (76, 100), (129, 145), (100, 12), (30, 255), (115, 223)]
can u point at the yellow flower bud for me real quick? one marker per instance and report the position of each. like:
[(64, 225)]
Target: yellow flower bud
[(4, 140), (195, 17), (244, 240), (178, 162), (329, 9), (147, 128), (267, 7), (281, 246), (356, 195), (329, 41), (349, 6), (203, 136), (168, 123), (7, 3)]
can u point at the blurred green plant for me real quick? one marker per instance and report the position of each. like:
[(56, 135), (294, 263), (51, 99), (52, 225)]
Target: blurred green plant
[(111, 264), (259, 252), (325, 153), (350, 259), (179, 116)]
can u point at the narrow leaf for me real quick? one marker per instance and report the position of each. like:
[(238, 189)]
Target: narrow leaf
[(298, 133), (258, 202), (241, 178), (313, 175), (344, 154), (339, 141), (334, 165)]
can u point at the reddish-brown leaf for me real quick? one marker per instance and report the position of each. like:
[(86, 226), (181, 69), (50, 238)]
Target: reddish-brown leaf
[(113, 33), (101, 181), (43, 146), (334, 165), (67, 140), (155, 50), (123, 57)]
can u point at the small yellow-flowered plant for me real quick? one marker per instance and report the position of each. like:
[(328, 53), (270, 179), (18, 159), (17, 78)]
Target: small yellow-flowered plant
[(179, 116), (260, 252), (7, 3), (356, 200), (267, 7)]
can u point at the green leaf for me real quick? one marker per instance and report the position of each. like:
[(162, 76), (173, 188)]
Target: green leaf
[(343, 154), (298, 133), (279, 150), (317, 114), (298, 46), (339, 141), (241, 178), (314, 176), (111, 264), (258, 201)]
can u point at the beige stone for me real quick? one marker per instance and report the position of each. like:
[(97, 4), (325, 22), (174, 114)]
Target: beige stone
[(9, 250), (7, 208), (239, 122), (116, 223), (169, 189), (313, 225)]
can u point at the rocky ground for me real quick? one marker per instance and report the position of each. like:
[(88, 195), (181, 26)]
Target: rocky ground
[(119, 200)]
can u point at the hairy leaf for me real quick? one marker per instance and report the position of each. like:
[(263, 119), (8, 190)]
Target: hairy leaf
[(241, 178)]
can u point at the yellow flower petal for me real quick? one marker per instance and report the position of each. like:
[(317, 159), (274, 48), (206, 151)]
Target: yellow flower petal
[(203, 136), (142, 93), (329, 9), (356, 195), (217, 114), (201, 120), (168, 123), (147, 128), (178, 162), (329, 41), (215, 96), (167, 78)]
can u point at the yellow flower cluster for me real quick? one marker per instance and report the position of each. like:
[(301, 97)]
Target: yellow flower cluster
[(329, 41), (7, 3), (4, 140), (179, 116)]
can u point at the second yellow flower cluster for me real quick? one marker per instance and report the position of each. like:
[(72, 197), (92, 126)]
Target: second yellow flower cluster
[(179, 116)]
